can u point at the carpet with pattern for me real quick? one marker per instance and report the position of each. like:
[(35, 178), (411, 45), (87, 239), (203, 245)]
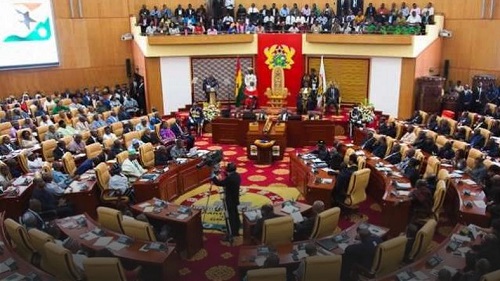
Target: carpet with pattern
[(260, 184)]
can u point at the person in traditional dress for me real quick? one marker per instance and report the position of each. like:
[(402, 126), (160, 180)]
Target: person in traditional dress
[(196, 119), (250, 89)]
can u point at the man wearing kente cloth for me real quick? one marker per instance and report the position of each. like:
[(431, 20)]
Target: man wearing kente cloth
[(210, 85), (250, 89)]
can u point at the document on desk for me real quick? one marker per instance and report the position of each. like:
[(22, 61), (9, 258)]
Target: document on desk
[(297, 217), (144, 205), (182, 216), (103, 241), (288, 209), (326, 181), (116, 246), (148, 209), (469, 182), (403, 185), (480, 204), (460, 238), (89, 236)]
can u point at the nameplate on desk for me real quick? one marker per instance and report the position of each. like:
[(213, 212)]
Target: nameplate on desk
[(149, 177), (155, 246), (403, 185)]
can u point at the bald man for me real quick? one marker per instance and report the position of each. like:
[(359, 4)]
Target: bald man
[(304, 229)]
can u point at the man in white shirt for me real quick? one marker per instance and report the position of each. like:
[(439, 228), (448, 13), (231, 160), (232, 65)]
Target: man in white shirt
[(409, 137), (414, 18), (416, 9), (35, 163), (108, 135), (131, 167), (119, 181), (227, 21), (428, 13), (151, 29)]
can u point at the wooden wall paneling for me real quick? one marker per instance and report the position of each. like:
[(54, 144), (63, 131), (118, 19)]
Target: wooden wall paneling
[(90, 9), (458, 49), (139, 62), (72, 43), (62, 8), (113, 9), (407, 88), (485, 45), (429, 61), (154, 96), (496, 9), (351, 75)]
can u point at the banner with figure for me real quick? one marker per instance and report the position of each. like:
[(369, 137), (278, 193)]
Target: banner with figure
[(279, 50)]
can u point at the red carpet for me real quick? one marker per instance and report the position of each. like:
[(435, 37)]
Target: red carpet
[(218, 261)]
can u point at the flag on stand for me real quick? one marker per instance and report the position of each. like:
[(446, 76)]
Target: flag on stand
[(322, 76), (238, 83)]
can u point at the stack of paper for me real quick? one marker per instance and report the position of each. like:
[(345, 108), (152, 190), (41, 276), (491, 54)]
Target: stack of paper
[(103, 241), (297, 217), (288, 209)]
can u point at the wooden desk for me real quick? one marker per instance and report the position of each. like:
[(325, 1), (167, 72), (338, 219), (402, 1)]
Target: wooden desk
[(16, 202), (249, 224), (23, 267), (158, 265), (249, 254), (279, 138), (188, 232), (86, 200), (178, 179), (305, 181), (449, 259)]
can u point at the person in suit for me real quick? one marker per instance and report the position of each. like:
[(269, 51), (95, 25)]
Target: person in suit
[(420, 140), (335, 157), (416, 118), (412, 170), (231, 184), (480, 123), (479, 95), (391, 130), (321, 151), (283, 116), (421, 199), (343, 179), (267, 212), (303, 230), (477, 140), (460, 134), (150, 136), (59, 150), (464, 119), (443, 128), (361, 254), (162, 156), (94, 137), (491, 148), (382, 127), (380, 147), (333, 97), (429, 146), (48, 201), (369, 142), (478, 173), (370, 11), (446, 151), (7, 146), (395, 155)]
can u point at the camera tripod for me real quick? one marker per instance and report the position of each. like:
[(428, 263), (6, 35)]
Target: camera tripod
[(228, 231)]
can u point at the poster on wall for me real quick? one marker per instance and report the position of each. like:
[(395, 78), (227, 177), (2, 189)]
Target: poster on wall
[(27, 34), (279, 50)]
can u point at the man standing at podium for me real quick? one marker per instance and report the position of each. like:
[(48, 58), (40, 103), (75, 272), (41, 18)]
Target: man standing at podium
[(210, 85)]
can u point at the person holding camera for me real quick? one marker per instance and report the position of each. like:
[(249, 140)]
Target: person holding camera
[(231, 184)]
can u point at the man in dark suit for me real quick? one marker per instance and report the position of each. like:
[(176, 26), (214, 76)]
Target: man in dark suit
[(59, 150), (231, 184), (333, 97), (368, 142), (304, 229), (343, 179), (356, 6), (416, 118), (162, 156), (267, 212), (322, 151), (477, 140), (380, 147), (411, 171), (7, 146), (94, 137), (359, 253), (283, 116), (342, 7), (370, 11), (479, 94), (394, 156), (182, 133)]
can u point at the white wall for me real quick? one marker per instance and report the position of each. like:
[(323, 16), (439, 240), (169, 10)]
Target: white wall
[(175, 82), (385, 79)]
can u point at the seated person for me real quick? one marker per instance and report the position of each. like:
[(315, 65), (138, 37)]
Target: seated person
[(49, 201), (446, 151), (155, 119), (491, 148), (27, 139), (77, 146), (5, 177), (460, 134), (380, 147), (59, 151), (131, 167), (477, 140), (51, 134), (51, 186), (166, 134), (335, 157), (58, 176), (143, 125), (429, 146), (303, 230), (443, 128), (382, 127), (82, 125), (343, 179), (480, 123), (272, 260), (89, 164), (432, 124), (150, 136), (112, 118), (494, 205), (196, 119), (391, 130), (178, 151), (368, 142), (395, 155), (116, 148), (135, 145), (267, 212), (65, 130), (478, 172), (311, 251), (284, 114), (412, 171), (98, 122), (464, 119), (321, 151), (35, 162), (108, 134), (420, 140), (120, 183), (459, 162), (481, 267), (416, 118), (7, 146), (421, 202), (162, 157), (94, 137), (360, 254)]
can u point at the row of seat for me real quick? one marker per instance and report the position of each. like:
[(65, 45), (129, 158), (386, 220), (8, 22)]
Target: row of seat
[(42, 250)]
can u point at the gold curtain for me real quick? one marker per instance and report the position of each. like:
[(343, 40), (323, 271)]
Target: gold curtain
[(351, 76)]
